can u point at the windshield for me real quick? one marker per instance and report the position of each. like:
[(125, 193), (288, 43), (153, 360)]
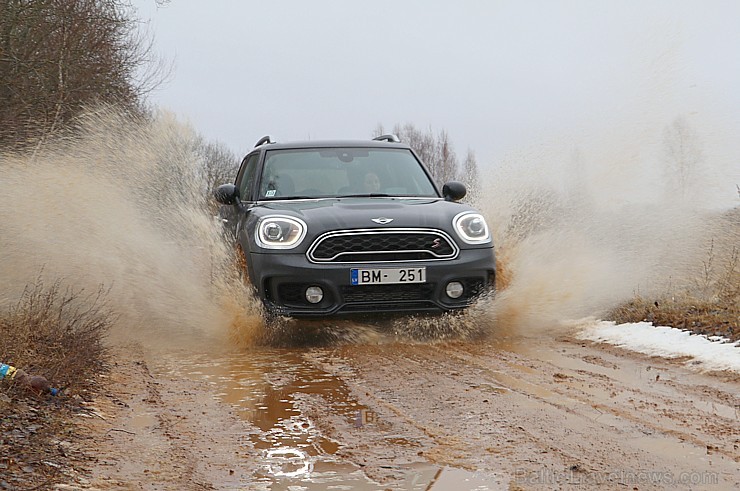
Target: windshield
[(337, 172)]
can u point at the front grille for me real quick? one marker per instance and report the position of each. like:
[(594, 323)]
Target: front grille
[(383, 245), (387, 293), (413, 307)]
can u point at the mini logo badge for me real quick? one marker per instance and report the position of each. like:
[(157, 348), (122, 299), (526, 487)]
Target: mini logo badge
[(382, 220)]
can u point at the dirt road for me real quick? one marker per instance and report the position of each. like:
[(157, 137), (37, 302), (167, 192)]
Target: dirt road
[(498, 414)]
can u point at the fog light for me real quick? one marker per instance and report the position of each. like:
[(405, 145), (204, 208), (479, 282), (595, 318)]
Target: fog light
[(454, 289), (314, 294)]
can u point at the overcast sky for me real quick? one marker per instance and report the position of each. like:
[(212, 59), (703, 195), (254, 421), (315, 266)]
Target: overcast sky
[(499, 76)]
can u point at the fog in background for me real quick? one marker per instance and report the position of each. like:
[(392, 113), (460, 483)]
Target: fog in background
[(536, 82)]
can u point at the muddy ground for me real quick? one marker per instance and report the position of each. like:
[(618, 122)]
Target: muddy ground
[(510, 413)]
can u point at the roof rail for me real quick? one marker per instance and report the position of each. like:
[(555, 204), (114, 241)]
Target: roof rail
[(263, 140), (388, 138)]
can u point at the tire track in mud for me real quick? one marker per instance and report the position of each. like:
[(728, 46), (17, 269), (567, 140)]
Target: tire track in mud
[(456, 407), (162, 433), (561, 409), (665, 409)]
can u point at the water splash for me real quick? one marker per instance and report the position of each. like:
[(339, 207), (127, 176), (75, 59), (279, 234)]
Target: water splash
[(577, 238), (120, 201)]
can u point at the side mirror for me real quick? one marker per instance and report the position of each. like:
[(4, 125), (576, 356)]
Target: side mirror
[(454, 191), (227, 194)]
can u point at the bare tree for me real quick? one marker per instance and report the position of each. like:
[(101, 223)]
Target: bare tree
[(683, 157), (471, 176), (435, 150), (57, 56), (218, 163), (379, 130), (447, 160)]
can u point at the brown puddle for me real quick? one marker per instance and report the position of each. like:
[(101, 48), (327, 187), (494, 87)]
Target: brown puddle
[(266, 387)]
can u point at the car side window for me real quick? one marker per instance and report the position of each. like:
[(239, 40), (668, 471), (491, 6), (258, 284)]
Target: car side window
[(245, 179)]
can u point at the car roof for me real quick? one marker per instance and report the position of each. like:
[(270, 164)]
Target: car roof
[(331, 144)]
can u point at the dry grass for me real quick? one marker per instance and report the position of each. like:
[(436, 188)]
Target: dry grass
[(701, 317), (58, 333), (710, 304)]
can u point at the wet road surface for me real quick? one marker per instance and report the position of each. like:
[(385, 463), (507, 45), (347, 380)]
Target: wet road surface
[(506, 414)]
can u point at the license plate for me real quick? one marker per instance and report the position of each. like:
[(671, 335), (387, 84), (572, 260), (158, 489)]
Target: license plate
[(387, 276)]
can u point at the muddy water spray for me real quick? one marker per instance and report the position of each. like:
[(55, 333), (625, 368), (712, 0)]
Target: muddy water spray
[(121, 203), (569, 246)]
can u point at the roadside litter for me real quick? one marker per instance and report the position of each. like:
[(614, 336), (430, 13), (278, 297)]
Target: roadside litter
[(36, 383)]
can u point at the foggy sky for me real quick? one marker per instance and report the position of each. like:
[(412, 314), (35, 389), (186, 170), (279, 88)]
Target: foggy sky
[(499, 76)]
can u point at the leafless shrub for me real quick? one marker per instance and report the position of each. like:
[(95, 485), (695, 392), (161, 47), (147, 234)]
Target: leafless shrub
[(707, 273), (57, 332), (720, 276), (728, 284)]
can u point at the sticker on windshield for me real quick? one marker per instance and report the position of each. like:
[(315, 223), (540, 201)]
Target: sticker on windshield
[(270, 193)]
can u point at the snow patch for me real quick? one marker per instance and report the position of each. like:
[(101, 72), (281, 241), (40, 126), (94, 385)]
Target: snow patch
[(706, 353)]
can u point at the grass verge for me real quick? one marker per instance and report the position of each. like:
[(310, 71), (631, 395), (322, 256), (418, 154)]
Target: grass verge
[(711, 318), (58, 333), (709, 305)]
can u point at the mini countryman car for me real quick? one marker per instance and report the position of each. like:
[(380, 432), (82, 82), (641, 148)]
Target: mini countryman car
[(346, 227)]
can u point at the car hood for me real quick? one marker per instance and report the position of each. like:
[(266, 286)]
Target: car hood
[(329, 214)]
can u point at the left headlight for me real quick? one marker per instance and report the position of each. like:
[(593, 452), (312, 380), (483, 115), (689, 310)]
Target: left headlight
[(471, 227), (280, 232)]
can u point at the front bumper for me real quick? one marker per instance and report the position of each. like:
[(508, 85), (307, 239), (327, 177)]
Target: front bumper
[(281, 280)]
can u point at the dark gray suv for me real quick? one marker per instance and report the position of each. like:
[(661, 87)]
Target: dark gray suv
[(343, 227)]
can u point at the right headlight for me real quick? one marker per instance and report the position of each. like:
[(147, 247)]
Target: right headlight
[(280, 232), (471, 227)]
